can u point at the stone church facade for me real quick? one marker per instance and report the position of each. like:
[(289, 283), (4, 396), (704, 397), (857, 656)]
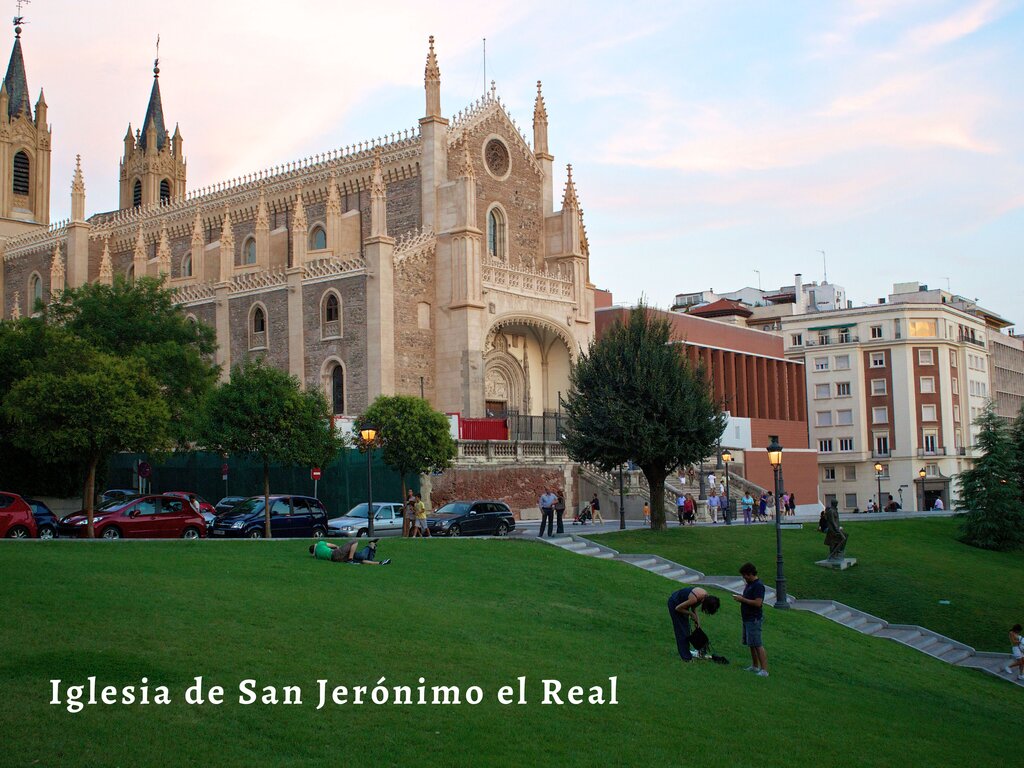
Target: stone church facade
[(430, 260)]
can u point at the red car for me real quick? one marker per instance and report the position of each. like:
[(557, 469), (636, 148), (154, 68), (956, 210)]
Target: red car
[(16, 520), (147, 517)]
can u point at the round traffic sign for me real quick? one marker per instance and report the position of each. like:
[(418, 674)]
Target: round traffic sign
[(314, 473), (145, 470)]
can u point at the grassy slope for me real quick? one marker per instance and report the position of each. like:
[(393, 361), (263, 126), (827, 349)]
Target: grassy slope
[(457, 612), (903, 569)]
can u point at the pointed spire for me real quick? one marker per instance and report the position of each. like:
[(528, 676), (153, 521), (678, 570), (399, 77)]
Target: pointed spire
[(466, 166), (57, 281), (78, 192), (106, 266), (154, 114), (227, 234), (299, 222), (262, 216), (139, 257), (333, 207), (163, 252), (41, 110), (569, 199), (432, 83), (197, 230), (540, 124), (16, 82), (378, 199)]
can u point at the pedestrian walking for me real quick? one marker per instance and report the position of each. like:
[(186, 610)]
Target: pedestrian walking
[(682, 607), (647, 514), (680, 507), (1017, 651), (546, 503), (559, 512), (723, 506), (762, 508), (752, 614), (748, 508), (422, 529), (713, 507), (595, 511), (690, 510), (791, 504)]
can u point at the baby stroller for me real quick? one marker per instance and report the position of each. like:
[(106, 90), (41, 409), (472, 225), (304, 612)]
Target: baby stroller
[(583, 516)]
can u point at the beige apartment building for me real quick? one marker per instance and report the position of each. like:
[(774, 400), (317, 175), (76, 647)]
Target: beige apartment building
[(893, 386)]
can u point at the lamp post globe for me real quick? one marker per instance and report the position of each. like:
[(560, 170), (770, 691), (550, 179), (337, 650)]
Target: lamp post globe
[(368, 434), (878, 479), (726, 457), (922, 473), (775, 459)]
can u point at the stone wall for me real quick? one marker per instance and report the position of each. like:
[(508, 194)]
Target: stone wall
[(414, 346), (276, 303), (517, 485), (350, 348), (17, 273)]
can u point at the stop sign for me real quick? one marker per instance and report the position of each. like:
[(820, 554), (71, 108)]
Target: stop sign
[(144, 469), (314, 473)]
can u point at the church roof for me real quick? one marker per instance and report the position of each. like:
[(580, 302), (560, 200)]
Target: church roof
[(155, 115), (17, 83)]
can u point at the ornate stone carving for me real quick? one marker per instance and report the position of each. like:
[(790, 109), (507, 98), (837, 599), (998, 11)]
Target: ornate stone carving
[(497, 157)]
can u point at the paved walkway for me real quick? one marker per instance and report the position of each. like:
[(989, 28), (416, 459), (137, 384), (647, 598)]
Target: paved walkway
[(919, 638)]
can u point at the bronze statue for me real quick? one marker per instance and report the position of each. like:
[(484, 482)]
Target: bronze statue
[(835, 536)]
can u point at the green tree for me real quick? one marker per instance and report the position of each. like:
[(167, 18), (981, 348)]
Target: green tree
[(635, 397), (414, 437), (140, 318), (989, 492), (1017, 440), (264, 412), (77, 406)]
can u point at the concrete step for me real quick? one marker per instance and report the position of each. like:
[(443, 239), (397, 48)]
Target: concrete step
[(662, 567), (956, 655), (870, 628), (605, 555), (645, 563), (900, 635), (677, 573), (591, 551), (840, 617), (827, 611), (926, 642), (856, 621), (572, 544)]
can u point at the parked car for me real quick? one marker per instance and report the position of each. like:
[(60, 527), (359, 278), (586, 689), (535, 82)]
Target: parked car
[(46, 522), (290, 517), (228, 503), (468, 518), (387, 519), (115, 494), (16, 520), (206, 509), (147, 517)]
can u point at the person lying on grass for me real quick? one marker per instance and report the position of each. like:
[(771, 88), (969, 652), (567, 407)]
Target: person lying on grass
[(346, 553)]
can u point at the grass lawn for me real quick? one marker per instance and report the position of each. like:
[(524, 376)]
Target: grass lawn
[(904, 568), (456, 612)]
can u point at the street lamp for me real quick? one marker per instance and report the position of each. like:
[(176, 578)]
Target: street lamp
[(622, 502), (922, 473), (727, 459), (775, 459), (368, 433), (878, 477)]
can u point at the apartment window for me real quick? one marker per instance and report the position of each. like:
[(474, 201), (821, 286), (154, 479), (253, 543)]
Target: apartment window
[(829, 474), (825, 446), (821, 391), (956, 386), (922, 329), (897, 328), (952, 358), (878, 359), (931, 470), (849, 472), (880, 415), (878, 387), (930, 442), (844, 335), (885, 471), (821, 363), (829, 498), (844, 418), (797, 339), (928, 413), (925, 357), (842, 362), (876, 331), (842, 389), (927, 385), (851, 501), (846, 444), (824, 419), (882, 444), (824, 339), (956, 413)]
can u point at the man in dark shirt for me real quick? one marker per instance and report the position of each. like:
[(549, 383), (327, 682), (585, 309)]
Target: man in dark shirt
[(752, 613)]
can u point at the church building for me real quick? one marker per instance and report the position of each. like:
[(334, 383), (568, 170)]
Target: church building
[(430, 260)]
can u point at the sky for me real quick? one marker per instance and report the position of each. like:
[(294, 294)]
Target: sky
[(714, 144)]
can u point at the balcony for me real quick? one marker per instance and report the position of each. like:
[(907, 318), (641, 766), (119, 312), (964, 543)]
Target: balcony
[(923, 452), (876, 454), (971, 340)]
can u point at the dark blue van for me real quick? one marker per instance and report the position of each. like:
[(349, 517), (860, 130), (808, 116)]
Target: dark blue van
[(290, 517)]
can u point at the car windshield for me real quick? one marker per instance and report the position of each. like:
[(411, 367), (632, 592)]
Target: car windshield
[(245, 507), (359, 510), (455, 508), (113, 504)]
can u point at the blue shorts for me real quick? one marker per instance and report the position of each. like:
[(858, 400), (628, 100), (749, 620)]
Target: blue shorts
[(752, 633)]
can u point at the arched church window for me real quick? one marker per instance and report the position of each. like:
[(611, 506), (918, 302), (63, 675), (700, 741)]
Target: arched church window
[(186, 265), (317, 239), (258, 328), (330, 318), (35, 291), (496, 233), (249, 251), (21, 174), (137, 194), (165, 191), (338, 390)]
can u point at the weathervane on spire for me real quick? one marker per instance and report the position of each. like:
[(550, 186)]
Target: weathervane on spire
[(19, 20), (156, 61)]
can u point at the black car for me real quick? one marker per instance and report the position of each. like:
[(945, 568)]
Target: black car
[(469, 518), (228, 503), (46, 521), (290, 517)]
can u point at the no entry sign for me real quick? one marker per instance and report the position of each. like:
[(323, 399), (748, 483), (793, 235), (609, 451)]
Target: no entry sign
[(314, 473)]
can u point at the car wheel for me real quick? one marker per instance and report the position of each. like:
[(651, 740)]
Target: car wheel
[(47, 532), (111, 533), (190, 533), (362, 532), (455, 531), (502, 530), (18, 532), (256, 533), (318, 533)]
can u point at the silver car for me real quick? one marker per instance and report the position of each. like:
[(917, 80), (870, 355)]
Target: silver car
[(387, 520)]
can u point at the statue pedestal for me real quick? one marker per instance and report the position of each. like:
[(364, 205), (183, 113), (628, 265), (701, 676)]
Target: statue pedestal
[(837, 565)]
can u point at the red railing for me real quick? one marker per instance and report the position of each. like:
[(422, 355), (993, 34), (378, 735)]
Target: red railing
[(483, 429)]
